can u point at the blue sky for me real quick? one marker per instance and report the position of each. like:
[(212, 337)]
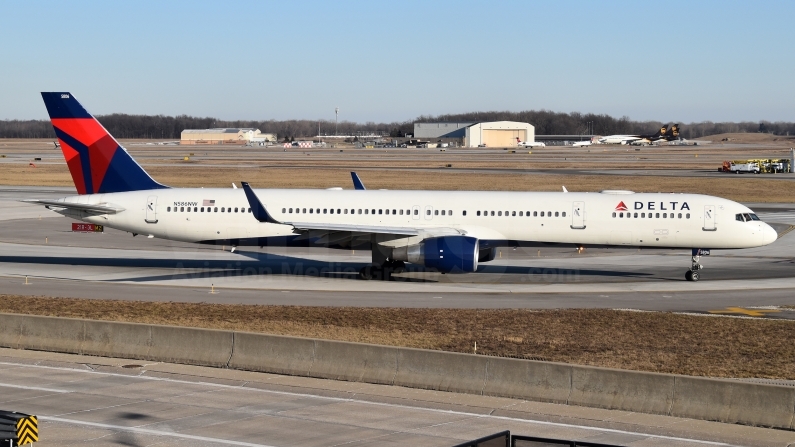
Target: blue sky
[(392, 61)]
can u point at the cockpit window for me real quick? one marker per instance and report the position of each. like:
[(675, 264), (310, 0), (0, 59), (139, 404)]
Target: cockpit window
[(746, 217), (755, 217)]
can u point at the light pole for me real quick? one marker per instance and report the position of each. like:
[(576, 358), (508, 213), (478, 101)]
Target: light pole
[(336, 119)]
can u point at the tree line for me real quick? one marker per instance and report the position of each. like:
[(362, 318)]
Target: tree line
[(545, 122)]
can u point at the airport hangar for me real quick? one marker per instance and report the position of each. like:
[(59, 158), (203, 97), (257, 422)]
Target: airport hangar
[(232, 135), (492, 134)]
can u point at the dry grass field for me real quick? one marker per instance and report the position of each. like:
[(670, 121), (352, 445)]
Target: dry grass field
[(744, 189), (645, 341)]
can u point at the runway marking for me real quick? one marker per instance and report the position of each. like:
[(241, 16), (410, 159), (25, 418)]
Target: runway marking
[(147, 431), (33, 388), (744, 311), (343, 399)]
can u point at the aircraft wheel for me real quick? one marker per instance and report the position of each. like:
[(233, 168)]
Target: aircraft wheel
[(366, 273), (692, 275), (398, 267)]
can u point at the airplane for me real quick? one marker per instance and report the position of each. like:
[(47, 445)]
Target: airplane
[(521, 143), (582, 143), (661, 134), (449, 231)]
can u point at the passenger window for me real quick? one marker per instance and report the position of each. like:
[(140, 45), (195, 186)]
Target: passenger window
[(215, 210), (619, 214), (665, 215), (188, 209), (311, 210), (325, 210), (372, 211), (346, 211), (556, 214), (284, 210), (380, 211), (635, 215), (290, 211), (338, 210), (401, 212), (499, 213), (436, 213), (331, 211), (360, 211), (366, 211), (542, 214), (672, 215), (428, 212), (657, 215), (249, 210), (236, 209), (182, 209), (492, 213), (394, 212), (549, 213), (464, 213), (687, 216), (168, 209), (614, 214), (564, 214), (442, 212), (513, 213), (416, 212), (642, 215), (478, 213), (535, 213)]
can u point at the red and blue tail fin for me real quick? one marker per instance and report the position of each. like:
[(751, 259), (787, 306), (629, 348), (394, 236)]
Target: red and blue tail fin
[(96, 160)]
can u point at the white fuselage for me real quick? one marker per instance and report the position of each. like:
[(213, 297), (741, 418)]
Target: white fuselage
[(650, 219), (618, 139)]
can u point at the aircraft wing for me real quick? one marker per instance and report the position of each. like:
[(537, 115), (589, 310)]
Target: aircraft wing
[(321, 228), (99, 209)]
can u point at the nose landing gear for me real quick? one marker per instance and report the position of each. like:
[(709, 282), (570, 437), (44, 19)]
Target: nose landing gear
[(692, 274)]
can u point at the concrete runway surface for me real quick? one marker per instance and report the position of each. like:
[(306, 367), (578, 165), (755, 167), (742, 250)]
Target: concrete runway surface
[(39, 244), (99, 401)]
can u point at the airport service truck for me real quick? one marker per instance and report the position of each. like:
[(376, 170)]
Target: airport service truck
[(744, 168)]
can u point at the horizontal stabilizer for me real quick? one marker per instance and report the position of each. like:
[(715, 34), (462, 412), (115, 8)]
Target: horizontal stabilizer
[(99, 209)]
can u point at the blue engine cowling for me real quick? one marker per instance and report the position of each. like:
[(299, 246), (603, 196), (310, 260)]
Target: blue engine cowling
[(448, 254)]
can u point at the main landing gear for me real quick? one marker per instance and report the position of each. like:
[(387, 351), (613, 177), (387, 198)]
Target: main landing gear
[(382, 272), (692, 274)]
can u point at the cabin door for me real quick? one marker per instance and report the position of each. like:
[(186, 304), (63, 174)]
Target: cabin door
[(578, 215), (709, 218), (151, 209)]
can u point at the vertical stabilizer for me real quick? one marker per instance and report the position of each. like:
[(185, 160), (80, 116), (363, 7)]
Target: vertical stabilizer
[(97, 162)]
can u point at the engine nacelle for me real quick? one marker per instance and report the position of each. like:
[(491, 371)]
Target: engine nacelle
[(448, 254)]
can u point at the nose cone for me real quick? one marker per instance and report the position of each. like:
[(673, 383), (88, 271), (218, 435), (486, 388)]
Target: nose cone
[(769, 235)]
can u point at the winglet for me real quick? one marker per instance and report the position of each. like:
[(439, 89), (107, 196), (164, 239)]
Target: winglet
[(564, 189), (259, 211), (357, 182)]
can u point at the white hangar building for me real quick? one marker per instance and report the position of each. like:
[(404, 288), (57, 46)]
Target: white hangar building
[(491, 134)]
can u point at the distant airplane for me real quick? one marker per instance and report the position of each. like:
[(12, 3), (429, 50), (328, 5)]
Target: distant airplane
[(662, 134), (521, 143), (582, 143)]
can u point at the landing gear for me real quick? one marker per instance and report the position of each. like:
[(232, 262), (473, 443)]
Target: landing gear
[(692, 274), (382, 272)]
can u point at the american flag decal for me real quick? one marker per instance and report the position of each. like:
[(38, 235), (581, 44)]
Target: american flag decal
[(208, 202)]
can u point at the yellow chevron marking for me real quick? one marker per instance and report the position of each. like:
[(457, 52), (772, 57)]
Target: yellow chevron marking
[(744, 311)]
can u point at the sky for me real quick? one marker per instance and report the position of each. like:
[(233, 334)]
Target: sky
[(386, 61)]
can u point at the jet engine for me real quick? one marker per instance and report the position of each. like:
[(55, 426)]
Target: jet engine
[(448, 254)]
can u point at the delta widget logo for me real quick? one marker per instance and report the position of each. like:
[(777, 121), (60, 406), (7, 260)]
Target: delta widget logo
[(621, 206)]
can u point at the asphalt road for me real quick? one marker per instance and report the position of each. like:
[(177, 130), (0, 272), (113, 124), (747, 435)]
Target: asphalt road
[(102, 402)]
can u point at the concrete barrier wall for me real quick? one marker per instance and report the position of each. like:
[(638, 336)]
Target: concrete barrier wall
[(680, 396)]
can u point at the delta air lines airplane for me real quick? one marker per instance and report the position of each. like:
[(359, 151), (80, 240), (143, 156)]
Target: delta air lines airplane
[(450, 231)]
